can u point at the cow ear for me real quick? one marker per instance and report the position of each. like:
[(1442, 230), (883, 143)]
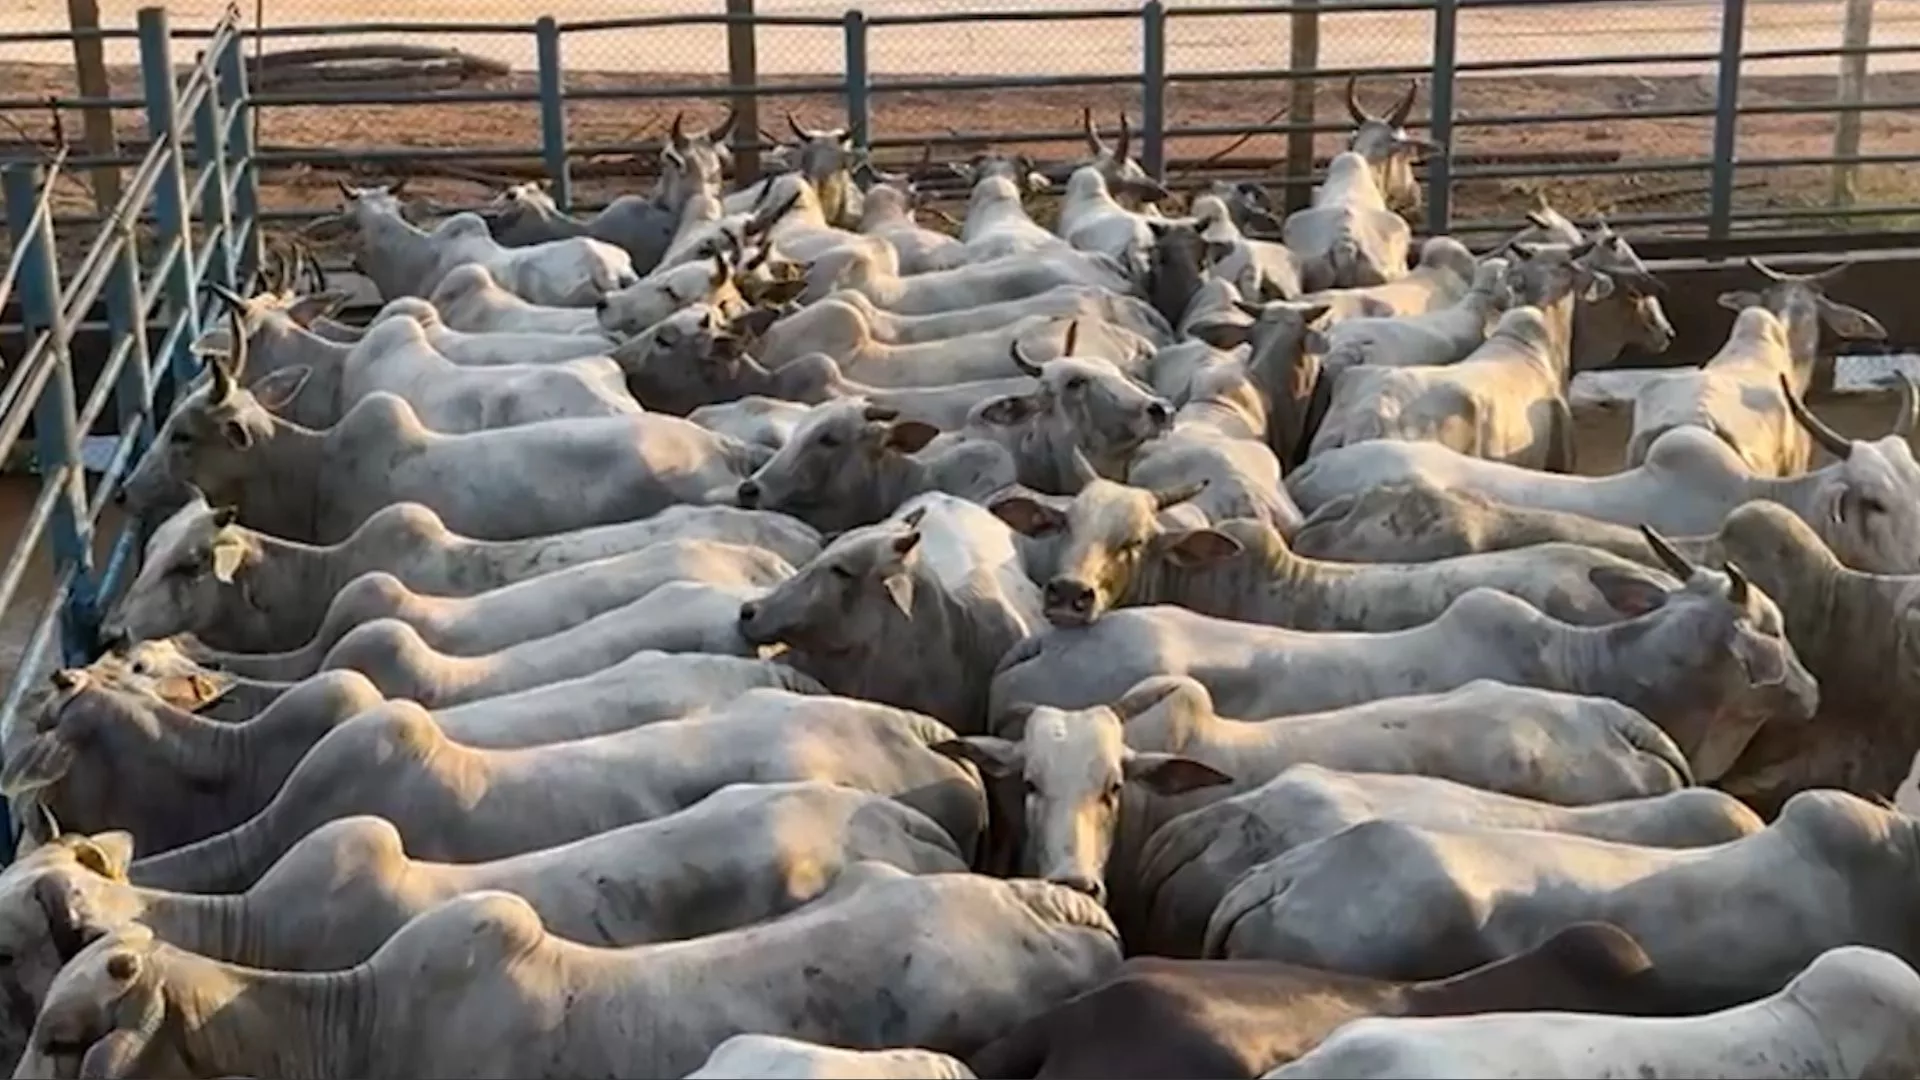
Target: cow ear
[(996, 758), (236, 434), (1197, 547), (1626, 592), (910, 436), (756, 322), (228, 556), (308, 308), (108, 854), (1171, 774), (899, 586), (214, 342), (42, 764), (276, 391), (1851, 322), (192, 692), (1007, 411), (1599, 287), (1029, 516), (1740, 300)]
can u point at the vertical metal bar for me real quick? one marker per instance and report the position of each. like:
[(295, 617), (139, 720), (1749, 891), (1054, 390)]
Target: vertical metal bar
[(1446, 40), (1726, 120), (1153, 88), (215, 211), (1857, 35), (553, 112), (90, 66), (170, 194), (859, 117), (241, 170), (1304, 47), (743, 71), (55, 419), (125, 319)]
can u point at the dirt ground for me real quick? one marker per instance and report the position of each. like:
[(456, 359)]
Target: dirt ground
[(598, 124)]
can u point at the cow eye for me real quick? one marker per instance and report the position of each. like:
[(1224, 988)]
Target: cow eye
[(1078, 382), (1872, 505), (829, 440), (841, 572), (1113, 791), (1033, 789)]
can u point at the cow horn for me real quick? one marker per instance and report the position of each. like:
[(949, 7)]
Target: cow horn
[(718, 133), (1021, 360), (798, 132), (1909, 415), (226, 296), (1766, 271), (1736, 585), (47, 821), (1404, 107), (1093, 134), (223, 385), (1830, 440), (676, 135), (1082, 470), (1073, 338), (1583, 249), (399, 187), (1175, 496), (1677, 564), (1126, 138), (1831, 272), (346, 189), (1353, 101)]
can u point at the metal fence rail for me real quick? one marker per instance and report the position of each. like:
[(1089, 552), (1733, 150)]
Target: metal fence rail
[(185, 217), (1704, 143)]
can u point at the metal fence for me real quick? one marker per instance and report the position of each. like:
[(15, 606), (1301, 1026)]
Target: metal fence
[(1715, 123), (185, 217)]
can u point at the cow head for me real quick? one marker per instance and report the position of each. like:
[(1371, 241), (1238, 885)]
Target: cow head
[(105, 1014), (206, 443), (1074, 768), (658, 295), (689, 359), (825, 156), (1801, 302), (1112, 540), (1389, 150), (1250, 207), (829, 474), (1125, 179), (520, 212), (161, 668), (1176, 267), (1083, 403), (1017, 170), (1866, 505), (690, 164), (1617, 299), (1717, 651), (364, 206), (853, 596), (193, 576), (54, 902)]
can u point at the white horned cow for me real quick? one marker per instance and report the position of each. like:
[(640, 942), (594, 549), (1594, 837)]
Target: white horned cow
[(320, 485), (747, 853), (1114, 549), (1737, 394), (456, 803), (1707, 661), (1852, 1012), (1100, 781), (947, 962), (1866, 503), (405, 260), (1449, 897), (1348, 237), (1189, 863), (242, 589)]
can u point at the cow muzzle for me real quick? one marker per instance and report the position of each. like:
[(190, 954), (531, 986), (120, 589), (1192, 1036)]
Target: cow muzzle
[(1070, 603), (747, 495), (1084, 885)]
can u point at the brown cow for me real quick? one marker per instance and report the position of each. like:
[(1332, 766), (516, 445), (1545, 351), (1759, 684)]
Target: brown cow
[(1239, 1018)]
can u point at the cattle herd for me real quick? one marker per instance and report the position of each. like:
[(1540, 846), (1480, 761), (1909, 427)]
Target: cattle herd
[(750, 634)]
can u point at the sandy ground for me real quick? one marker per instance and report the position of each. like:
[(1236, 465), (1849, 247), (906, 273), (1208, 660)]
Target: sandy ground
[(1197, 41)]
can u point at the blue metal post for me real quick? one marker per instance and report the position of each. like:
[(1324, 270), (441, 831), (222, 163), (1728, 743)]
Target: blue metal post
[(241, 171), (1153, 88), (1446, 39), (1726, 120), (55, 416), (859, 108), (553, 111), (125, 319), (170, 194), (216, 212)]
